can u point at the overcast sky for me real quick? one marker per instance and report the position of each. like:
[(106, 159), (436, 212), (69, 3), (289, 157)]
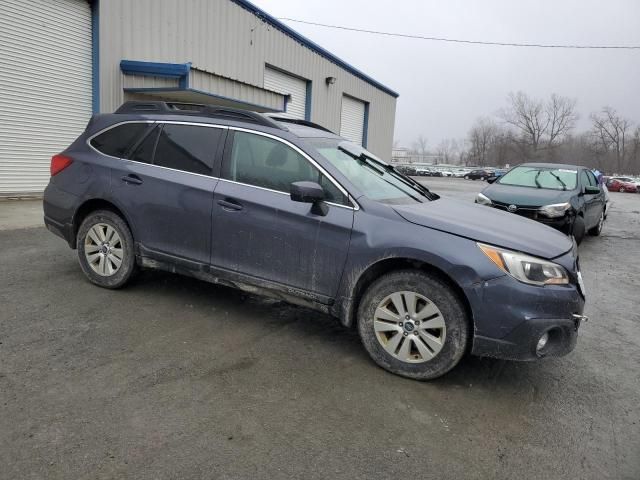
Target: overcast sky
[(443, 87)]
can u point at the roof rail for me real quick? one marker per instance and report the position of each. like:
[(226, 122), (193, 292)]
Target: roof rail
[(202, 110), (298, 121)]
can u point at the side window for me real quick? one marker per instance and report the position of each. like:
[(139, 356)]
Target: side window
[(187, 147), (584, 178), (268, 163), (592, 179), (116, 141), (144, 151)]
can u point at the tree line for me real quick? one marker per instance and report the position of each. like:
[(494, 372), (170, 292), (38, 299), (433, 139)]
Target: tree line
[(530, 129)]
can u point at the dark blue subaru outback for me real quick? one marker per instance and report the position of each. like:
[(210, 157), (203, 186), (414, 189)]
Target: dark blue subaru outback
[(287, 209)]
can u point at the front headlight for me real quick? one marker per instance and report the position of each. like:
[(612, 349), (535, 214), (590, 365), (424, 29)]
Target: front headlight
[(555, 210), (483, 200), (527, 269)]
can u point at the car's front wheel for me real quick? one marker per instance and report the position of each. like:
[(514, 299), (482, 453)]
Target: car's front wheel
[(105, 249), (598, 228), (413, 324), (578, 229)]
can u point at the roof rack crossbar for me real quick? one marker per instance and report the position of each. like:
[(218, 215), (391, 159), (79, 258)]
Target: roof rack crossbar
[(199, 109)]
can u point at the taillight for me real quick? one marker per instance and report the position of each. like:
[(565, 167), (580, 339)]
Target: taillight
[(58, 163)]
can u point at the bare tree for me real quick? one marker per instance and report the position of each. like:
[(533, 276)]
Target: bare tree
[(420, 145), (447, 150), (480, 138), (539, 125), (562, 117), (610, 132)]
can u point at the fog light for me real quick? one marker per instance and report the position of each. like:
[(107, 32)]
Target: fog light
[(542, 342)]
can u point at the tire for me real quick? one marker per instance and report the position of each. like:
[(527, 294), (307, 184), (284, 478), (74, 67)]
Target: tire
[(482, 179), (466, 177), (95, 237), (595, 231), (578, 229), (445, 343), (621, 190)]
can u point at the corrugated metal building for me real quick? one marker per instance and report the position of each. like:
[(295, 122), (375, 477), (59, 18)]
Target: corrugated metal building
[(61, 60)]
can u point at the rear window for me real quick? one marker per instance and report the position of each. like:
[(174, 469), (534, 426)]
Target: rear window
[(187, 147), (116, 141)]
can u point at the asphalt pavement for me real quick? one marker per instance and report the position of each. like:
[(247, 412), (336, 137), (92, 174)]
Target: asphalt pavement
[(176, 378)]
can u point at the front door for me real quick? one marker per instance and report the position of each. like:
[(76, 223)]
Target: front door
[(594, 203), (259, 231)]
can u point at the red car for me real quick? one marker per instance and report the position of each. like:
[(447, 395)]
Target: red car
[(621, 185)]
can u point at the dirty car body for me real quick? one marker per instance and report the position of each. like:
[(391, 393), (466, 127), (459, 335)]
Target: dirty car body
[(320, 244)]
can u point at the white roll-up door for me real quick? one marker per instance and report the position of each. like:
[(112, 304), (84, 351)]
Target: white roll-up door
[(352, 119), (295, 87), (45, 87)]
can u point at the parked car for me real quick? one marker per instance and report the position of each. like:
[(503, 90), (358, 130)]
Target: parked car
[(287, 209), (460, 173), (481, 174), (446, 173), (622, 184), (565, 197), (423, 172), (407, 169)]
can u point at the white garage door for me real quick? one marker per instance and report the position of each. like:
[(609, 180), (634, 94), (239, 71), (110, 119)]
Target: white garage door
[(352, 119), (45, 87), (295, 87)]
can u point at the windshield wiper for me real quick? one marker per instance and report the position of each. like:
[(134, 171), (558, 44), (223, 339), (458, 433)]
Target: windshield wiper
[(535, 179), (564, 185), (374, 163)]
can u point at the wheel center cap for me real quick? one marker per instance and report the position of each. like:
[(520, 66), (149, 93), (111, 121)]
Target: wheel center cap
[(409, 326), (104, 249)]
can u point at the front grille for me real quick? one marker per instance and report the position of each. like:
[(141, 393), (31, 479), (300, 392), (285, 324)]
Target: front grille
[(525, 211)]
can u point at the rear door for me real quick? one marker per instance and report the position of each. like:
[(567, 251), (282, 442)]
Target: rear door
[(165, 186), (259, 231)]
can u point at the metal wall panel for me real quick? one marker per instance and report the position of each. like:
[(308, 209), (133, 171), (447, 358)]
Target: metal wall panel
[(45, 87), (209, 82), (294, 88), (352, 119), (220, 36)]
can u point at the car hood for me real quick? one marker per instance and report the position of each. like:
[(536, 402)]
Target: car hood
[(487, 225), (525, 196)]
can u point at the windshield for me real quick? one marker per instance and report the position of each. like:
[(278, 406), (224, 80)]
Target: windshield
[(541, 177), (374, 178)]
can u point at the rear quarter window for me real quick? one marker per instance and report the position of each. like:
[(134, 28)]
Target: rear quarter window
[(117, 140)]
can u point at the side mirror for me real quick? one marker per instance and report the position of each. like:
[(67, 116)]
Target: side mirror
[(589, 190), (491, 179), (306, 192), (309, 192)]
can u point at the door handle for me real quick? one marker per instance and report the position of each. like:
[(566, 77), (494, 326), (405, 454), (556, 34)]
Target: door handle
[(230, 205), (132, 179)]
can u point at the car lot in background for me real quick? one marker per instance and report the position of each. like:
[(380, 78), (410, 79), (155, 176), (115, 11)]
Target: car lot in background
[(622, 184)]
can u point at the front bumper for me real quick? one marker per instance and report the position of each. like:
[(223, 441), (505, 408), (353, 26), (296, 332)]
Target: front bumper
[(511, 316), (521, 343)]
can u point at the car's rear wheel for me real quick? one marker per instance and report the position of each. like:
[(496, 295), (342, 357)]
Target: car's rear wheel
[(466, 177), (105, 249), (621, 190), (595, 231), (413, 324)]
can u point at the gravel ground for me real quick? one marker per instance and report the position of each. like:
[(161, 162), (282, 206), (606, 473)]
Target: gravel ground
[(176, 378)]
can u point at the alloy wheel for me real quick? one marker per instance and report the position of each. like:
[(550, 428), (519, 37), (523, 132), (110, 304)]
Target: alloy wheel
[(103, 249), (410, 327)]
